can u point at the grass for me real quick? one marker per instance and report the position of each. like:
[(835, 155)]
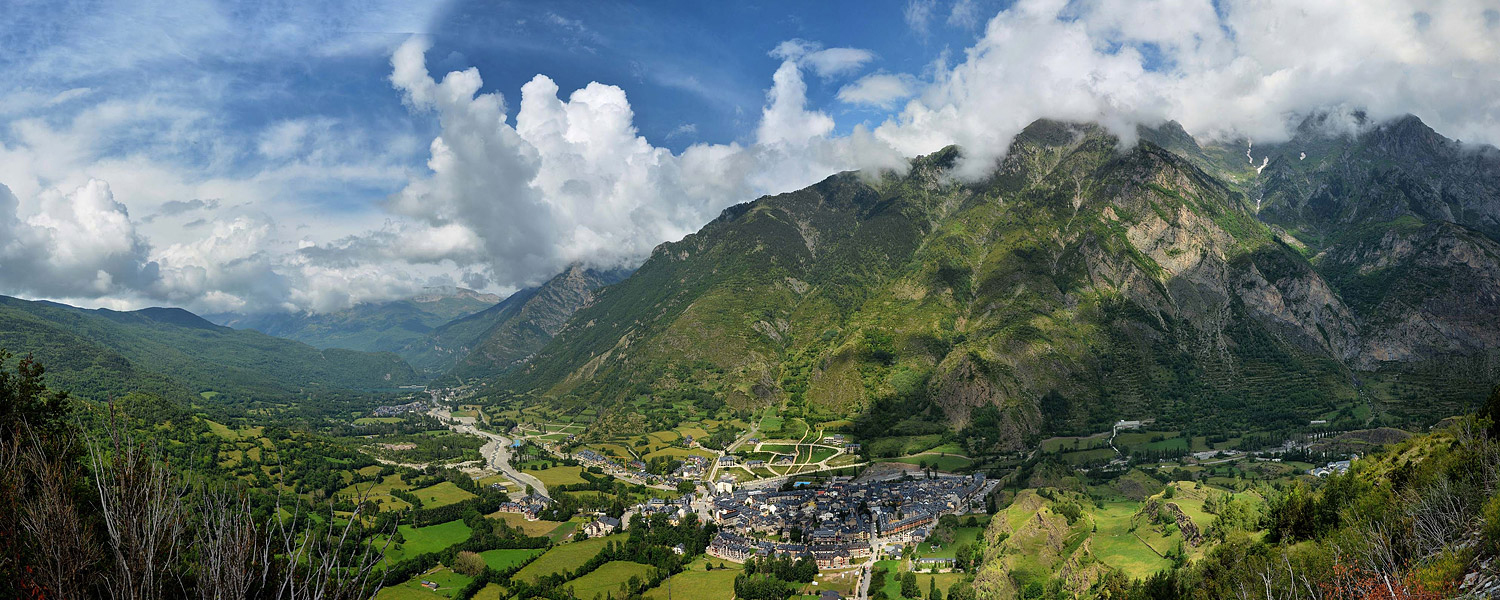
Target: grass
[(619, 451), (770, 424), (559, 475), (492, 591), (449, 584), (530, 528), (676, 452), (607, 578), (372, 420), (442, 494), (961, 536), (942, 463), (503, 559), (697, 582), (565, 558), (422, 540), (379, 493), (1117, 547), (698, 433)]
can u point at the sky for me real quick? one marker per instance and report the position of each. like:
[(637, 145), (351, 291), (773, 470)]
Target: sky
[(311, 155)]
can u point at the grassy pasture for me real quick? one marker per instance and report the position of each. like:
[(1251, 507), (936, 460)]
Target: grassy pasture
[(379, 493), (564, 558), (449, 583), (695, 581), (442, 494), (607, 578), (558, 475), (422, 540)]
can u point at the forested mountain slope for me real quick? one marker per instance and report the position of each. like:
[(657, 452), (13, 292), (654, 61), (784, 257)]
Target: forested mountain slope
[(1081, 283), (103, 354), (498, 338), (368, 327)]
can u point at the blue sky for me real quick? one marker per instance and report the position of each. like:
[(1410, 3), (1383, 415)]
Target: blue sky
[(255, 156)]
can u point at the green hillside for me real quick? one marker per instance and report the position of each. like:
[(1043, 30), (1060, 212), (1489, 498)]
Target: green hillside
[(369, 327), (500, 337), (1082, 283), (103, 354)]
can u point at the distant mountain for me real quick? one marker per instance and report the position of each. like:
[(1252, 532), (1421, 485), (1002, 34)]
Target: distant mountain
[(369, 327), (496, 339), (102, 354), (1351, 277)]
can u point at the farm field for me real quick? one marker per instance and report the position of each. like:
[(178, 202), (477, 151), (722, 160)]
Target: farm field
[(449, 584), (697, 582), (607, 578), (422, 540), (379, 493), (442, 494), (941, 463), (566, 557), (530, 528), (961, 536), (1115, 545), (558, 476)]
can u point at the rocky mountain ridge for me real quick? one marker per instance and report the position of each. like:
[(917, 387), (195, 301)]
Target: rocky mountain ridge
[(1079, 284)]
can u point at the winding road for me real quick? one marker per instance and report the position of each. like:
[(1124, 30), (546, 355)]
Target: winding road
[(496, 452)]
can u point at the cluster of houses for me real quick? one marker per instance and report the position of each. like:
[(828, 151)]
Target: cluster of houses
[(529, 505), (1338, 467), (830, 551), (840, 520), (397, 410), (692, 468)]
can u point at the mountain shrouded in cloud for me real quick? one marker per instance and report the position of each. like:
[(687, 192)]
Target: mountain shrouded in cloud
[(319, 207), (573, 181)]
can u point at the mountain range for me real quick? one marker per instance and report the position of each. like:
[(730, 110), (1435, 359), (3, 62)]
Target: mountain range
[(1349, 276), (371, 326), (444, 331), (104, 354)]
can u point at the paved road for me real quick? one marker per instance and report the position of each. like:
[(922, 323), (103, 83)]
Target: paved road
[(496, 452)]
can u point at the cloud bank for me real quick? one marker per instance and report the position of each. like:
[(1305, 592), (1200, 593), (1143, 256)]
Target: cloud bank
[(1242, 69), (572, 181), (508, 192)]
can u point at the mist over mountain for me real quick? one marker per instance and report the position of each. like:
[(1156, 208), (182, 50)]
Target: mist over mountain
[(370, 327), (1214, 287), (915, 300)]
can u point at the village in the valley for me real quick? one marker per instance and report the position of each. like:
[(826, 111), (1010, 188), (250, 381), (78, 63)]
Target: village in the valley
[(839, 521)]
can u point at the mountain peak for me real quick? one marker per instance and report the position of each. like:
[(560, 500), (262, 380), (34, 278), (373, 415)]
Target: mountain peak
[(174, 316), (442, 292)]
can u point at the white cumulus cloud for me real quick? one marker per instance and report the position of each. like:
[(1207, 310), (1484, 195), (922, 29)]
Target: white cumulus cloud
[(572, 180), (881, 90)]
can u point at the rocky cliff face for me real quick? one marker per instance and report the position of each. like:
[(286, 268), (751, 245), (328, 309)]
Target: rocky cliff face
[(1423, 291), (1080, 284), (517, 329)]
